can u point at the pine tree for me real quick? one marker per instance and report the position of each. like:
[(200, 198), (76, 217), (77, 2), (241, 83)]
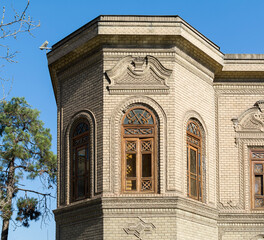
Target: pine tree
[(24, 153)]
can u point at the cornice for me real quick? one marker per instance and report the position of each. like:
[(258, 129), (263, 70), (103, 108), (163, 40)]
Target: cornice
[(239, 88), (134, 25), (241, 218)]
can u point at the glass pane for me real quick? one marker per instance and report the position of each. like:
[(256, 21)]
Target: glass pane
[(259, 202), (131, 146), (146, 165), (73, 188), (146, 185), (131, 185), (193, 187), (193, 129), (138, 131), (81, 161), (73, 162), (87, 160), (131, 165), (87, 185), (199, 163), (258, 185), (258, 155), (258, 168), (200, 191), (187, 158), (81, 128), (138, 116), (192, 161), (80, 187), (146, 146)]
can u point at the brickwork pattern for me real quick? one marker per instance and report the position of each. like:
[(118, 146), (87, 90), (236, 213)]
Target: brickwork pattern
[(91, 229), (192, 91)]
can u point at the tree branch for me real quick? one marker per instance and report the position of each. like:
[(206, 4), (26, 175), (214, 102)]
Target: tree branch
[(36, 192)]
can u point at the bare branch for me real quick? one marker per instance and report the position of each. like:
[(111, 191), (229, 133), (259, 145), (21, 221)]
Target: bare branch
[(11, 28), (36, 192)]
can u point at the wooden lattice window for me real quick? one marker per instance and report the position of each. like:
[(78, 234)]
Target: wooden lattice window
[(139, 170), (80, 162), (194, 161), (257, 179)]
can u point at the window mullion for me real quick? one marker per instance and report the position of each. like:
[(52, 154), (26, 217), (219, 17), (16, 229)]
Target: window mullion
[(139, 165), (189, 171)]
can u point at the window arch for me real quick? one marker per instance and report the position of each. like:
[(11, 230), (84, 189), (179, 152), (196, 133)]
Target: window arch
[(194, 161), (80, 161), (139, 147)]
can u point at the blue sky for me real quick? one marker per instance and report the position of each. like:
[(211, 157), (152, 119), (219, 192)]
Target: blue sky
[(234, 25)]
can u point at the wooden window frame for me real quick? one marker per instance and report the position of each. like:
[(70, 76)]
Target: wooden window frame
[(139, 138), (198, 175), (253, 162), (74, 165)]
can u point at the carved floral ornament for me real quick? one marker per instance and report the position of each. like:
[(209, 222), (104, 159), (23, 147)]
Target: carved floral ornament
[(138, 74), (252, 120)]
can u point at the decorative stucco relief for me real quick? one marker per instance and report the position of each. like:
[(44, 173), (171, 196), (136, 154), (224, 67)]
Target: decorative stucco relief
[(252, 120), (138, 74), (140, 229)]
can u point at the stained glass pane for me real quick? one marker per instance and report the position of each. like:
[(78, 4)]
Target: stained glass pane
[(131, 185), (138, 116), (81, 161), (193, 128), (193, 161), (193, 187), (258, 185), (131, 146), (258, 155), (138, 131), (81, 128), (146, 165), (259, 203), (131, 165), (80, 141), (258, 168), (146, 146), (146, 185)]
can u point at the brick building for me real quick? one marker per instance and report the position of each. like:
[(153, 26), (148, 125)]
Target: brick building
[(160, 134)]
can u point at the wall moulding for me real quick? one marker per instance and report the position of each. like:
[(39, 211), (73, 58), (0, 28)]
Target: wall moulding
[(250, 122), (143, 74)]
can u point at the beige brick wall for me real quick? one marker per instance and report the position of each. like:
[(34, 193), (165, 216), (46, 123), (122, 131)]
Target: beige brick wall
[(81, 90), (82, 86), (230, 163)]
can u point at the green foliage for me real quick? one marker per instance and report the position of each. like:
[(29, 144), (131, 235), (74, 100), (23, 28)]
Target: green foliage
[(24, 152), (24, 138), (27, 210)]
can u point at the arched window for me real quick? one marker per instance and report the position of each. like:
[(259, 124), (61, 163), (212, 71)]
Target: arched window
[(80, 162), (257, 174), (194, 161), (139, 161)]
